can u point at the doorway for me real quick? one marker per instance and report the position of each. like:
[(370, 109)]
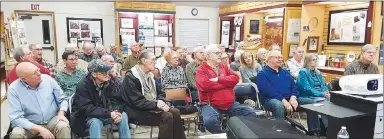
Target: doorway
[(41, 29)]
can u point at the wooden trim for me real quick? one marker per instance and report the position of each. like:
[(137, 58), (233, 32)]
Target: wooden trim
[(310, 2), (262, 8), (117, 32), (368, 31), (17, 12), (3, 99)]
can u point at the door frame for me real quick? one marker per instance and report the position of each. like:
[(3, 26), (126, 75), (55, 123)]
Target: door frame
[(17, 12)]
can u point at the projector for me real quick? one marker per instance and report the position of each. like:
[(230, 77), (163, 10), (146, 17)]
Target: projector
[(363, 83)]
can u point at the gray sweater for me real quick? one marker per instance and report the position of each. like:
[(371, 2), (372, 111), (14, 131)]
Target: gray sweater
[(248, 73)]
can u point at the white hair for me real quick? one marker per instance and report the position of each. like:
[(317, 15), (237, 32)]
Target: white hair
[(271, 53), (106, 57), (368, 47), (70, 47), (87, 45), (260, 50), (198, 49), (238, 54), (211, 48), (100, 47)]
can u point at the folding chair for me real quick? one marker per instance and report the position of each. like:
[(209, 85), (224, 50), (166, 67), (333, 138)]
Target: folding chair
[(181, 94), (249, 90)]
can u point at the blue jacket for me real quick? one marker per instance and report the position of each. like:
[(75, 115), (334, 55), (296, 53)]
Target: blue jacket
[(306, 84), (275, 85)]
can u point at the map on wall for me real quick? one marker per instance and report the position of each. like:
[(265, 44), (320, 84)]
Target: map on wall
[(347, 27)]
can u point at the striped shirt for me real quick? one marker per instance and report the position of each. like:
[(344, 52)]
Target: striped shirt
[(357, 67)]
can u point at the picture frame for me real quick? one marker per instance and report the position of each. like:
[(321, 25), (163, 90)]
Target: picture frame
[(84, 29), (381, 54), (313, 44), (292, 48), (254, 26), (354, 22)]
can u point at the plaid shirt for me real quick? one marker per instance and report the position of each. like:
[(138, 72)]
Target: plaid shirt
[(68, 82), (48, 65)]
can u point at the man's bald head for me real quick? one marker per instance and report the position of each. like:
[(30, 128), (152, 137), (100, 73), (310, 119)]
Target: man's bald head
[(25, 69), (29, 73)]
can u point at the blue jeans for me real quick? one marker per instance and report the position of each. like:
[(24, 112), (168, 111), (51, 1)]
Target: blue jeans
[(323, 117), (278, 110), (95, 126), (211, 115)]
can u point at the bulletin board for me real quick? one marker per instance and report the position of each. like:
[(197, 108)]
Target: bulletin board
[(85, 29)]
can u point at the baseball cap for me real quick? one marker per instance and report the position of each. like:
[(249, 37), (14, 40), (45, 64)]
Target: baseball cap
[(98, 66)]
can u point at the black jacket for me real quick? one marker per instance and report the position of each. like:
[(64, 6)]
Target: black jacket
[(87, 103), (131, 92)]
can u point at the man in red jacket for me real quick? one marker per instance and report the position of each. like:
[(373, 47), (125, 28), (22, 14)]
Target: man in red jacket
[(215, 83), (24, 54)]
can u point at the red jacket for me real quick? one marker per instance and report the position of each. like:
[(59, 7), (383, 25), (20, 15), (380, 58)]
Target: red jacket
[(12, 74), (218, 94)]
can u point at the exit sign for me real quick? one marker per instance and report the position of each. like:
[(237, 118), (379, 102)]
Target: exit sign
[(35, 6)]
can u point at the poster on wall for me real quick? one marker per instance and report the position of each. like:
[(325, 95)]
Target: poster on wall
[(146, 32), (161, 41), (126, 23), (225, 27), (127, 36), (237, 35), (274, 32), (347, 27), (293, 34), (161, 27), (170, 29), (85, 29)]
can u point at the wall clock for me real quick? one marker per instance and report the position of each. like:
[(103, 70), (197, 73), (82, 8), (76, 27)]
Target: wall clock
[(194, 11)]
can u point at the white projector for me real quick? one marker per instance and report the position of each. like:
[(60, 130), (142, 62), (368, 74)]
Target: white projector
[(363, 84)]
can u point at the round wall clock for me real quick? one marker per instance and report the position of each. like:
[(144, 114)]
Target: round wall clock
[(194, 11)]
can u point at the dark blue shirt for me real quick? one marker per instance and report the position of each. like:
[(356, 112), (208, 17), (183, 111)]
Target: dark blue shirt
[(274, 84)]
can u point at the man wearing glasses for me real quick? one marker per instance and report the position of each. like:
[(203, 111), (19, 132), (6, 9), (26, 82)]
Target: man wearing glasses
[(279, 93), (37, 52), (215, 83), (70, 77), (364, 65), (81, 64)]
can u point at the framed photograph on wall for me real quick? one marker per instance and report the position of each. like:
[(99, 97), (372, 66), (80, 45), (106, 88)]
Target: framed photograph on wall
[(254, 26), (381, 57), (313, 44), (84, 29), (292, 48), (347, 27)]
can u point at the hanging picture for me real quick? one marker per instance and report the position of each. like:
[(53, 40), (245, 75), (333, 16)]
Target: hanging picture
[(161, 27), (85, 29), (292, 48), (254, 26), (313, 44), (225, 30), (126, 23), (347, 27), (381, 53)]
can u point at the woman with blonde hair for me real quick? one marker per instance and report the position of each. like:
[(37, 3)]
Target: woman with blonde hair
[(249, 67)]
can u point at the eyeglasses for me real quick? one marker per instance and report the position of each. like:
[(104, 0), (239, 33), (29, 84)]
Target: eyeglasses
[(314, 59), (217, 53), (278, 57), (38, 49)]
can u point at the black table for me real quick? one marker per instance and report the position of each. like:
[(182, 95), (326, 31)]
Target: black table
[(358, 114)]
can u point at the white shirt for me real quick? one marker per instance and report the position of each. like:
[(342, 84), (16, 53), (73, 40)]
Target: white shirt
[(294, 66)]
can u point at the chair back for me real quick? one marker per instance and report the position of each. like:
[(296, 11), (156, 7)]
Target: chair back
[(245, 90), (70, 101), (334, 85), (175, 94)]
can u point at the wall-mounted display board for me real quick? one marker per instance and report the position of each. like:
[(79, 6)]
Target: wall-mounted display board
[(274, 32), (347, 27), (85, 29)]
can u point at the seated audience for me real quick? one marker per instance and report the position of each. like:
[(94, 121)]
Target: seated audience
[(161, 62), (278, 91), (145, 101), (81, 64), (36, 105), (70, 77), (311, 84), (261, 56), (37, 51), (235, 65), (190, 70), (249, 67), (215, 83), (364, 65), (113, 73), (296, 63), (117, 56), (88, 53), (23, 54), (277, 48), (101, 51), (96, 104), (183, 56), (132, 59)]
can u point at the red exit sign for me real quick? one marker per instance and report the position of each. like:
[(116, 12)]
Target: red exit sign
[(35, 6)]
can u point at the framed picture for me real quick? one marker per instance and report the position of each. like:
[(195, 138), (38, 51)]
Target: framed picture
[(347, 27), (254, 26), (292, 48), (313, 44), (84, 29)]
